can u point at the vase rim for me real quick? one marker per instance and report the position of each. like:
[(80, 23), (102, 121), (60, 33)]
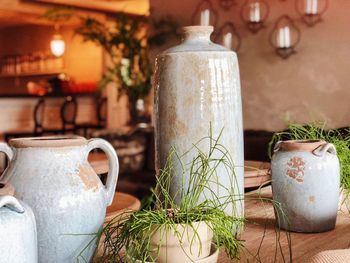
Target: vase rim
[(301, 145), (208, 29), (48, 141)]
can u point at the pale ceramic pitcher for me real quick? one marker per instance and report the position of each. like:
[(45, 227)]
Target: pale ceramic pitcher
[(18, 237), (53, 176)]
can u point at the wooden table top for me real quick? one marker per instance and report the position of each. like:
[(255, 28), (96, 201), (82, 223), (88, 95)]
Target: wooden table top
[(260, 232)]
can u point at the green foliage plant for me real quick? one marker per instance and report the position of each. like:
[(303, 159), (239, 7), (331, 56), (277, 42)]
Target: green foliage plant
[(317, 131), (125, 41), (162, 212)]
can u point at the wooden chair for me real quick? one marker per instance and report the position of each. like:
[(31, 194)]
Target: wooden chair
[(38, 116), (101, 117), (68, 115)]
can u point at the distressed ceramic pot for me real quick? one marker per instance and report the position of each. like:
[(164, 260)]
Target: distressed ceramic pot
[(306, 182), (197, 84), (188, 243), (212, 258), (53, 176), (18, 237)]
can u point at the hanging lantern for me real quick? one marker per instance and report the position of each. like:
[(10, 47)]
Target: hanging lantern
[(228, 37), (311, 11), (254, 13), (285, 36), (205, 14), (227, 4), (57, 44)]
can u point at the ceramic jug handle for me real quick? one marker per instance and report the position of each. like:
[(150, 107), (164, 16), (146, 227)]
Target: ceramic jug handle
[(11, 203), (322, 149), (277, 146), (113, 165), (5, 148)]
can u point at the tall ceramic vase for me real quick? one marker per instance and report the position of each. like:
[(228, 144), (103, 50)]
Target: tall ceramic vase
[(197, 85), (305, 182), (53, 176)]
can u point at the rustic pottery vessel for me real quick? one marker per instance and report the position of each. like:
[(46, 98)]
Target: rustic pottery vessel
[(187, 244), (53, 176), (306, 181), (212, 258), (18, 237), (197, 86)]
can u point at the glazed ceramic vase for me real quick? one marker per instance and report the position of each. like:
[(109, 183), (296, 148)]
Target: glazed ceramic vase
[(18, 237), (306, 181), (197, 86), (53, 176)]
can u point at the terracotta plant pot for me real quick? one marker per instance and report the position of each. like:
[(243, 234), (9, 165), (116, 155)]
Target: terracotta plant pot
[(189, 243), (212, 258)]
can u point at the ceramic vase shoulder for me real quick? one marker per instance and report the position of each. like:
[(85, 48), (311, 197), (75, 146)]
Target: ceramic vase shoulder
[(306, 182), (53, 176), (18, 236), (197, 86)]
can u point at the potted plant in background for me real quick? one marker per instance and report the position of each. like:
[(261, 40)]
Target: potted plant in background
[(190, 231), (340, 138), (126, 44)]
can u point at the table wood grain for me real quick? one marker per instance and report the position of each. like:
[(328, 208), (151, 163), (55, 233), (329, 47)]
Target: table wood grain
[(261, 235)]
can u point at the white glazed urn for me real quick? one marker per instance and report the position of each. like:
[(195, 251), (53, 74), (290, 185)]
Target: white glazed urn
[(18, 236), (53, 176), (306, 184), (197, 86)]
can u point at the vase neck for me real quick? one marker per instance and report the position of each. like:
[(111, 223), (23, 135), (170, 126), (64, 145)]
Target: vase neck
[(196, 33)]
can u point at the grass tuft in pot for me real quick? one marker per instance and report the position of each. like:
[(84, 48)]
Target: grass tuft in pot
[(192, 225)]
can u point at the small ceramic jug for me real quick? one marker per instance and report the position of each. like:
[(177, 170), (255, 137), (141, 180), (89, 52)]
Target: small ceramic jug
[(305, 182), (18, 237), (53, 176)]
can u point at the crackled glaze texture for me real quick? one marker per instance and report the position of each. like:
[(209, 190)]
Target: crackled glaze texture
[(197, 84), (18, 237), (53, 176), (306, 181)]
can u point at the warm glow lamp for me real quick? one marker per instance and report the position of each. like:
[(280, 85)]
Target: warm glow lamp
[(57, 45)]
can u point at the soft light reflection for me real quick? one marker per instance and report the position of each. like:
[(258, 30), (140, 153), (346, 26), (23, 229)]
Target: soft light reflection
[(57, 45), (70, 201)]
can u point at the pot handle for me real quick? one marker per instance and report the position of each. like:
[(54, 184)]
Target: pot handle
[(322, 149), (11, 203), (6, 149), (113, 165), (277, 146)]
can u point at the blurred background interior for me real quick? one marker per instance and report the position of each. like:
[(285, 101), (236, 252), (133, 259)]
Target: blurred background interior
[(85, 67)]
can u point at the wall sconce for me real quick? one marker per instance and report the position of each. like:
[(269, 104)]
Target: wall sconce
[(228, 37), (311, 11), (205, 14), (254, 13), (284, 37), (227, 4), (57, 44)]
